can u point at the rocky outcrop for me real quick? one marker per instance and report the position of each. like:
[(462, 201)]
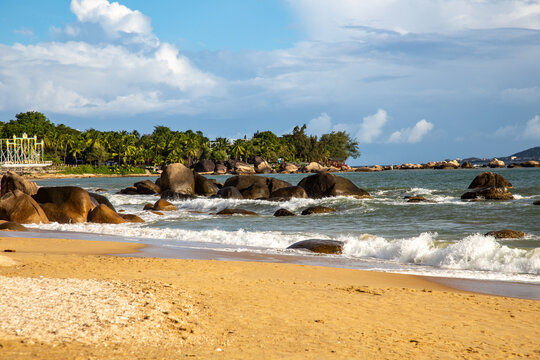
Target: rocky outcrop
[(220, 168), (229, 192), (21, 208), (147, 187), (284, 212), (241, 167), (64, 204), (11, 226), (98, 199), (287, 168), (530, 163), (174, 196), (131, 218), (205, 166), (203, 186), (319, 246), (289, 192), (164, 205), (496, 163), (326, 185), (466, 165), (255, 187), (102, 214), (492, 193), (177, 178), (536, 202), (261, 165), (13, 181), (228, 211), (506, 234), (489, 179), (318, 210), (312, 167)]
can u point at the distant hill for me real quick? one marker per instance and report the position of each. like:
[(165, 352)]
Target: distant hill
[(532, 152)]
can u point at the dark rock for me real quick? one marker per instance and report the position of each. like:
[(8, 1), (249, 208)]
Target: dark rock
[(100, 190), (536, 202), (229, 192), (220, 169), (289, 192), (203, 186), (100, 199), (21, 208), (102, 214), (177, 178), (13, 181), (506, 234), (466, 165), (132, 218), (284, 212), (64, 204), (164, 205), (146, 187), (319, 246), (148, 206), (276, 184), (261, 166), (326, 185), (255, 187), (130, 190), (12, 226), (171, 195), (415, 199), (492, 193), (489, 179), (236, 212), (204, 166), (530, 163), (318, 210), (256, 192), (157, 213)]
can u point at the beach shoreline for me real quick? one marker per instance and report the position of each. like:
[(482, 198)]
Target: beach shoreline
[(232, 309)]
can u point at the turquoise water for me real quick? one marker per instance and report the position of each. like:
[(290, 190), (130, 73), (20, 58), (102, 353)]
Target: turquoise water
[(442, 238)]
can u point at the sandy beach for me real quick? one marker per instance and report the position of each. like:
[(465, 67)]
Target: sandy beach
[(69, 299)]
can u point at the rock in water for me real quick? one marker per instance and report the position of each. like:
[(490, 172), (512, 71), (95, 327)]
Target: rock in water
[(164, 205), (203, 186), (236, 212), (319, 246), (489, 186), (102, 214), (326, 185), (147, 187), (284, 212), (12, 226), (177, 178), (537, 202), (21, 208), (64, 204), (229, 192), (489, 179), (506, 234), (318, 210), (132, 218), (100, 199), (204, 166), (289, 192)]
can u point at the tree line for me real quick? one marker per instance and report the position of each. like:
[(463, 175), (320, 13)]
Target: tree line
[(64, 144)]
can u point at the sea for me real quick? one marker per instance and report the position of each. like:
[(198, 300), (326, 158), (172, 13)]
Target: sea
[(445, 238)]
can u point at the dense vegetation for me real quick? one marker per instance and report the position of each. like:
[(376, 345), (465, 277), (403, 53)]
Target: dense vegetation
[(70, 146)]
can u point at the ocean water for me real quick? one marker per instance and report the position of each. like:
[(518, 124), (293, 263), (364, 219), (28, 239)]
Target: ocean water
[(445, 238)]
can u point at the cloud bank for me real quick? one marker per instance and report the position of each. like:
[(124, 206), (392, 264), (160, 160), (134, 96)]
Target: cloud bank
[(412, 135)]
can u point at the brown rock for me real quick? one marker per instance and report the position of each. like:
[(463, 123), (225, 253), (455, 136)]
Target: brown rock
[(177, 178), (319, 246), (492, 193), (203, 186), (21, 208), (13, 181), (100, 199), (229, 192), (130, 190), (496, 163), (236, 212), (506, 234), (104, 215), (243, 168), (148, 206), (466, 165), (530, 163), (489, 179), (261, 165), (286, 167), (146, 187), (284, 212), (204, 166), (132, 218), (220, 169), (289, 192), (312, 167), (325, 185), (157, 213), (164, 205), (174, 196), (415, 199), (318, 210), (11, 226), (64, 204)]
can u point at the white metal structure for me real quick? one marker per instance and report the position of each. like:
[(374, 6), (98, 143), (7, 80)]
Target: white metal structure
[(22, 152)]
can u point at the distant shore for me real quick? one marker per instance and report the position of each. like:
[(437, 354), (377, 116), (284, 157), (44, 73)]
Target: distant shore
[(210, 309)]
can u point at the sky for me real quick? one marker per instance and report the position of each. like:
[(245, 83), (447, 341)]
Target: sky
[(410, 80)]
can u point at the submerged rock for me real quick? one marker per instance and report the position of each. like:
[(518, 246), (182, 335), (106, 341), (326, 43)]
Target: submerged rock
[(415, 199), (228, 211), (489, 186), (318, 210), (319, 246), (164, 205), (284, 212), (506, 234)]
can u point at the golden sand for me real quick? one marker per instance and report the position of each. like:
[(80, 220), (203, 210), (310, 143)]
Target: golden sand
[(246, 310)]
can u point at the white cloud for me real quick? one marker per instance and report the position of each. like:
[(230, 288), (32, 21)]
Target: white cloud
[(412, 135), (24, 31), (371, 126), (532, 128), (319, 125)]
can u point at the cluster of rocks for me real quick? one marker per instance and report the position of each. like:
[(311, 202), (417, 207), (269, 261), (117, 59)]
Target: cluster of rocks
[(489, 186), (454, 164)]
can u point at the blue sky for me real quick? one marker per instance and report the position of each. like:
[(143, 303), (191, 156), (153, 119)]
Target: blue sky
[(413, 81)]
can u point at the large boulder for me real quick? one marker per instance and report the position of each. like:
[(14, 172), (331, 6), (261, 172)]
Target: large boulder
[(255, 187), (13, 181), (229, 192), (276, 184), (256, 192), (496, 163), (98, 199), (243, 168), (16, 206), (102, 214), (147, 187), (492, 193), (506, 234), (286, 167), (220, 168), (466, 165), (205, 166), (164, 205), (177, 178), (203, 186), (312, 167), (64, 204), (326, 185), (489, 179), (319, 246), (289, 192), (11, 226), (530, 163), (261, 166)]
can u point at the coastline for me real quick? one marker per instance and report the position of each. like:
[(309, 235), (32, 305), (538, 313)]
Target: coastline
[(246, 309)]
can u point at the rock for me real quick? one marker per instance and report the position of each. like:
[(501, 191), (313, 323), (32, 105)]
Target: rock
[(326, 185), (171, 195), (16, 206), (284, 212), (100, 190), (256, 192), (530, 163), (276, 184), (243, 168), (261, 165), (146, 187), (229, 192), (205, 166), (466, 165), (415, 199), (319, 246), (64, 204), (12, 226), (368, 168), (506, 234), (318, 210), (492, 193), (536, 202), (255, 187), (132, 218), (203, 186), (13, 181), (148, 206), (130, 190), (157, 213), (289, 192), (220, 169), (102, 214), (228, 211), (496, 163), (489, 179), (514, 165), (100, 199), (164, 205), (286, 167), (312, 167), (177, 178), (453, 163)]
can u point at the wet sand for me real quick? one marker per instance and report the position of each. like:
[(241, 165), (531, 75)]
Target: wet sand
[(174, 308)]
